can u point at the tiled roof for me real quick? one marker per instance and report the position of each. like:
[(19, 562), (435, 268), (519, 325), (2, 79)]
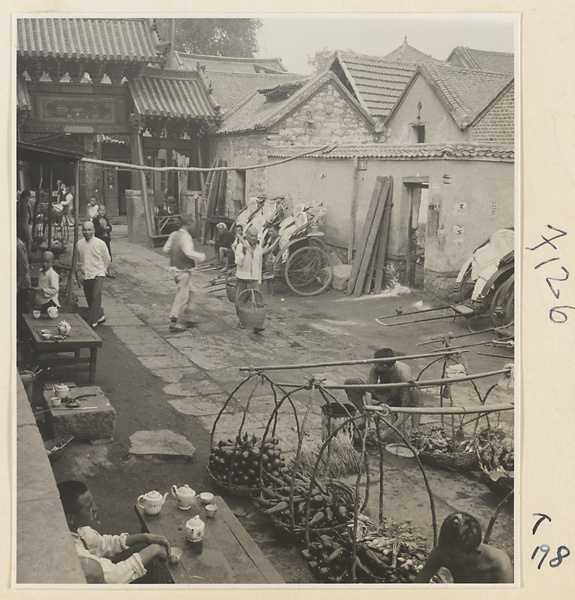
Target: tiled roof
[(408, 53), (229, 88), (377, 83), (168, 93), (482, 60), (118, 39), (229, 64), (257, 112), (413, 152), (22, 96), (464, 92)]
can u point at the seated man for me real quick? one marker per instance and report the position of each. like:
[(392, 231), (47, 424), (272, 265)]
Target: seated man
[(46, 294), (461, 550), (223, 244), (387, 372), (124, 558)]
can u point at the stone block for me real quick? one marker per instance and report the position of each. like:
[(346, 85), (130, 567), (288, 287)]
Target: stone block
[(94, 419), (341, 275)]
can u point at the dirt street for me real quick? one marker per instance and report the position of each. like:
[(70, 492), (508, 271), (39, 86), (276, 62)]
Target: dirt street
[(168, 388)]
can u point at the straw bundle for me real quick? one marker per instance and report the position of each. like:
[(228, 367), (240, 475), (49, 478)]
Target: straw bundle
[(339, 459)]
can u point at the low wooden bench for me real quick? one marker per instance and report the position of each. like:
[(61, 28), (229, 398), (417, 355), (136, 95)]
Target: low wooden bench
[(227, 554)]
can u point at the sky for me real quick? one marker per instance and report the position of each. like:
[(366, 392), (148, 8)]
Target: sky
[(295, 38)]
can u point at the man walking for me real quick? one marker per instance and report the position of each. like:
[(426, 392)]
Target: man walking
[(93, 260), (183, 258)]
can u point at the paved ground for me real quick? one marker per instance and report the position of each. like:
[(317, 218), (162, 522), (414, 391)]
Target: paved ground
[(168, 388)]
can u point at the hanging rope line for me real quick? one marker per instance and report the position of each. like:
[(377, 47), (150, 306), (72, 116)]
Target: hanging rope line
[(131, 167)]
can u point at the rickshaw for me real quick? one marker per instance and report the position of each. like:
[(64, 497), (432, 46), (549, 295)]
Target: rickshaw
[(300, 258)]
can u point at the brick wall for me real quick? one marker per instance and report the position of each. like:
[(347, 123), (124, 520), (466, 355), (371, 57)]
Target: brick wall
[(498, 125), (326, 118)]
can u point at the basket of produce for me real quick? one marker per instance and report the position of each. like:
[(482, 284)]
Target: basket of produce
[(496, 459), (438, 450), (234, 465), (389, 554), (331, 505), (251, 309)]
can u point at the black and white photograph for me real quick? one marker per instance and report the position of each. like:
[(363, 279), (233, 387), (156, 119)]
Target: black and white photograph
[(264, 306)]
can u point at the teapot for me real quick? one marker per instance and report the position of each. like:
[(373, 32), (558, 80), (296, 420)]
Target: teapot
[(62, 391), (195, 529), (152, 502), (184, 496), (53, 312), (64, 328)]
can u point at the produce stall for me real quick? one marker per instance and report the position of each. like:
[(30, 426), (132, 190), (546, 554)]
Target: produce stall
[(323, 514)]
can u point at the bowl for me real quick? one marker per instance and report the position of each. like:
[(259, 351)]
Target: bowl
[(46, 336), (43, 331), (206, 497)]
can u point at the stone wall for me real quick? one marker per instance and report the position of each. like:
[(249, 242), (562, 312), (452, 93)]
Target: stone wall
[(498, 125), (242, 149), (326, 118)]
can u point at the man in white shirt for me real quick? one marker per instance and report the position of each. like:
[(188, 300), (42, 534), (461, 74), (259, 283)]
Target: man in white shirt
[(248, 257), (183, 258), (124, 558), (92, 263)]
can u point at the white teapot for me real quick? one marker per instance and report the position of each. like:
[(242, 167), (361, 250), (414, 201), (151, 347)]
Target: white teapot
[(64, 328), (152, 502), (195, 529), (62, 391), (53, 312), (184, 496)]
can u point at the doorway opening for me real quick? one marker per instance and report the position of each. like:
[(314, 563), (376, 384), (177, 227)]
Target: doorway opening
[(418, 192)]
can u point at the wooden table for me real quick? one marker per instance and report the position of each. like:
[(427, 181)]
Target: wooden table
[(81, 336), (228, 554)]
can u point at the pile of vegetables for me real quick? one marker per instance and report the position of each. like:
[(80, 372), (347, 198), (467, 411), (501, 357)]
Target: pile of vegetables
[(328, 507), (390, 554), (238, 461), (496, 454), (435, 441)]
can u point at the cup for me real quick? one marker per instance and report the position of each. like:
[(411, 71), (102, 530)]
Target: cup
[(175, 555), (46, 336), (36, 314), (55, 401), (211, 510), (206, 497)]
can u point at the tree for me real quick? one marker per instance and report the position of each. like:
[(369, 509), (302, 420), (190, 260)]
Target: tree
[(215, 37), (321, 60)]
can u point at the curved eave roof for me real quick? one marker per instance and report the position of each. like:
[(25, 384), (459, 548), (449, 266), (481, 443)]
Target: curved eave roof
[(96, 39), (174, 97)]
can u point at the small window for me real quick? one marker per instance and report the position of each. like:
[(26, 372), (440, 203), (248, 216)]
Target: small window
[(419, 131)]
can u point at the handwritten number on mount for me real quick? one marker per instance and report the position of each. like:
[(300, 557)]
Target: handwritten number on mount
[(545, 549), (562, 551), (559, 310), (557, 314), (556, 292), (548, 241), (555, 562)]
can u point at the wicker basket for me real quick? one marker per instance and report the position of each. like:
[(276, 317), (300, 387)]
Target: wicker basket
[(231, 488), (342, 493), (251, 309), (503, 484), (455, 461)]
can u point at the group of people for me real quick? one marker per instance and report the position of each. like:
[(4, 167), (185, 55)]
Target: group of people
[(248, 256)]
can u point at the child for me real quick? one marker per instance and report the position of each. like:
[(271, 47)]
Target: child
[(46, 294), (92, 209), (124, 558), (461, 550), (103, 227)]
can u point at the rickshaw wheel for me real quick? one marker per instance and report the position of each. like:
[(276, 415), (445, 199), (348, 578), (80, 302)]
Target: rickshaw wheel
[(309, 271), (466, 287)]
